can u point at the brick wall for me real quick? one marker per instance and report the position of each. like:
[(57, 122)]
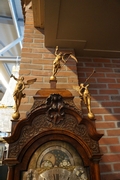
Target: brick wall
[(104, 88), (105, 92)]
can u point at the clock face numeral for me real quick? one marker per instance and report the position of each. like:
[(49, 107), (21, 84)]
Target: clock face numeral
[(59, 177), (55, 174)]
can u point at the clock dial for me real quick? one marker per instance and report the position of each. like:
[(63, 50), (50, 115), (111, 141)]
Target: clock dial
[(49, 157)]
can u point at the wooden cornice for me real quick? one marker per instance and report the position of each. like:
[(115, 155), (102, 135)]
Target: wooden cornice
[(38, 7)]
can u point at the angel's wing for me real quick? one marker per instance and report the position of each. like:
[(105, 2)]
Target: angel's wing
[(31, 81), (67, 55), (77, 88), (73, 57)]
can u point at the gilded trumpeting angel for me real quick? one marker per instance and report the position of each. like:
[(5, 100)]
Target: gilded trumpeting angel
[(85, 95)]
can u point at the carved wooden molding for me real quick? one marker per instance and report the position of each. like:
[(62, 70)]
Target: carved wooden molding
[(53, 114)]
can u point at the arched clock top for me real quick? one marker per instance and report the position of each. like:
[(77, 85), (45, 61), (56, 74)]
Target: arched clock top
[(53, 117)]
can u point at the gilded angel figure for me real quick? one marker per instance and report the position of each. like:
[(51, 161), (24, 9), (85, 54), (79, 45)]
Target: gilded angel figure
[(60, 57), (18, 91), (85, 95)]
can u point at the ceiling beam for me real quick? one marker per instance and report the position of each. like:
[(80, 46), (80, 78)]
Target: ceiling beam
[(10, 59), (9, 46), (8, 18), (12, 9)]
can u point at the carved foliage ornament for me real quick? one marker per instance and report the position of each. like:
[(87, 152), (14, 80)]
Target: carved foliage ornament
[(56, 108)]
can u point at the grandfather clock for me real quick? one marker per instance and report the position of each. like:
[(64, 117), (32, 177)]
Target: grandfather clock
[(54, 141)]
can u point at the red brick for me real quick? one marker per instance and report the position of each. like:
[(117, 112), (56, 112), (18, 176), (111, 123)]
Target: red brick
[(115, 132), (101, 131), (105, 168), (87, 69), (27, 39), (108, 91), (99, 118), (116, 61), (101, 60), (113, 75), (108, 140), (111, 176), (48, 67), (98, 86), (37, 40), (95, 64), (29, 18), (109, 158), (92, 80), (105, 125), (41, 73), (66, 86), (93, 92), (42, 85), (34, 36), (27, 44), (112, 65), (27, 50), (116, 110), (48, 56), (110, 104), (115, 148), (118, 80), (39, 79), (29, 77), (94, 103), (38, 31), (106, 80), (81, 75), (102, 110), (25, 100), (31, 55), (41, 61), (37, 50), (100, 97), (103, 149), (111, 117), (114, 86), (37, 45), (66, 73), (73, 80), (71, 68), (84, 59), (24, 72), (116, 166), (29, 92), (28, 31), (28, 26), (29, 22), (106, 70), (26, 60), (25, 107), (30, 66)]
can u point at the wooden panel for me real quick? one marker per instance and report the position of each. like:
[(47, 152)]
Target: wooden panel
[(38, 13)]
